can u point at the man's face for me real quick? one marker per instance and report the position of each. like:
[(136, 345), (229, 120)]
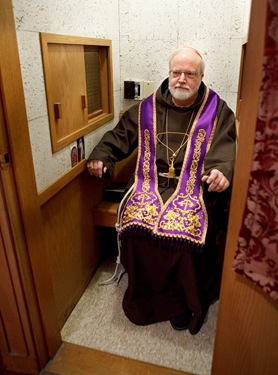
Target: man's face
[(185, 76)]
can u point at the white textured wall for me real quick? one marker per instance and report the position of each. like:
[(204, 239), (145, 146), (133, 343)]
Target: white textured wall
[(149, 33), (143, 34)]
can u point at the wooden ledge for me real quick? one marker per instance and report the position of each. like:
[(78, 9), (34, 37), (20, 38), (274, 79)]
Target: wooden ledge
[(105, 213), (74, 359)]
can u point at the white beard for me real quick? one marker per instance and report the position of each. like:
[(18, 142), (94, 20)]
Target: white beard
[(179, 93)]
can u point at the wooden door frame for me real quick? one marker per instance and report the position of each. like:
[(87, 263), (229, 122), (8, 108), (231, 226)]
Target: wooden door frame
[(45, 328), (19, 342), (246, 333)]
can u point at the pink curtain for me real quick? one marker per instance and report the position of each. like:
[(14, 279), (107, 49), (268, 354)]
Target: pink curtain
[(256, 255)]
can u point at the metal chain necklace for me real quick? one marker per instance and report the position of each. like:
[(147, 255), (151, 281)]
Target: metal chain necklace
[(172, 158)]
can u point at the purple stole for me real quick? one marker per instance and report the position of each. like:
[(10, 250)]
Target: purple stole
[(184, 215)]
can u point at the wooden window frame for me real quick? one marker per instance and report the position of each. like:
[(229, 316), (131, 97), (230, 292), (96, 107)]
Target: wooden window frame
[(84, 123)]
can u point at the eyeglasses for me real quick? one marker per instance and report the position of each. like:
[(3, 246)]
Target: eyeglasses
[(177, 74)]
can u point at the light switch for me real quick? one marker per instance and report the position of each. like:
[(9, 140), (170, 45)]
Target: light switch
[(148, 88)]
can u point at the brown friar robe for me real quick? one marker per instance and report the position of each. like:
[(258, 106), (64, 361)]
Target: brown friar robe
[(165, 280)]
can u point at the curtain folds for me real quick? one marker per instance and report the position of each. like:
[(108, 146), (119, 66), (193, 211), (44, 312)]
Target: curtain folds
[(256, 255)]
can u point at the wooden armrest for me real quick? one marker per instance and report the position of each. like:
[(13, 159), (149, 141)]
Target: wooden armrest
[(105, 212)]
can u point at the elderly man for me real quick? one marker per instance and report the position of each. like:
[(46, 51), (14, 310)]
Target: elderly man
[(173, 225)]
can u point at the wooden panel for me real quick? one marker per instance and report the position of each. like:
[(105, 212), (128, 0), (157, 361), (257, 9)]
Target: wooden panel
[(67, 75), (31, 251), (72, 241), (73, 359), (66, 84), (16, 289), (65, 78), (105, 214), (12, 338), (61, 182), (246, 337)]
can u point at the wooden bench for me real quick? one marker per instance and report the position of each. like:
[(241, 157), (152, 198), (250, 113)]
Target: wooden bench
[(105, 212)]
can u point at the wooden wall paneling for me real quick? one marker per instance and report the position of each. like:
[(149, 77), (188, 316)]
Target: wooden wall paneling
[(17, 294), (75, 245), (17, 343), (16, 346), (45, 329), (246, 337), (72, 241), (61, 182)]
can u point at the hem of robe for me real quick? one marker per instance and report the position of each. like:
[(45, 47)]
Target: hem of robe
[(171, 284)]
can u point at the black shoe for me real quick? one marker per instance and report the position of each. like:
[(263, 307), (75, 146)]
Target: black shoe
[(181, 322)]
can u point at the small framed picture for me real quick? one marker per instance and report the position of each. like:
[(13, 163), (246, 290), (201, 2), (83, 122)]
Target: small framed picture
[(74, 155), (81, 148)]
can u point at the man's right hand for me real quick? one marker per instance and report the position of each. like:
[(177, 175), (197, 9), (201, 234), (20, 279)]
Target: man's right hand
[(96, 168)]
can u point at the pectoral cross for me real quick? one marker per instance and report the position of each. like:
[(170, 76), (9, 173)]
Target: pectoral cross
[(171, 170)]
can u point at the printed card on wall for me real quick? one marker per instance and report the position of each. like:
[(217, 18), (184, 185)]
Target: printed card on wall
[(81, 148), (74, 155)]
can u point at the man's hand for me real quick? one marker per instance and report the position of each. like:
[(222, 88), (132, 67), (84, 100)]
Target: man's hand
[(216, 180), (96, 168)]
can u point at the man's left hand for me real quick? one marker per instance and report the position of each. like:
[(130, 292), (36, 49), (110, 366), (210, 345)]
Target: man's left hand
[(216, 180)]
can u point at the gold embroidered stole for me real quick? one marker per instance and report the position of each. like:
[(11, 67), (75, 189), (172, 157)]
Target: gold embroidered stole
[(184, 215)]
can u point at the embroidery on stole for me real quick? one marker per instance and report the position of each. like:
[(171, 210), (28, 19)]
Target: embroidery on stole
[(184, 215)]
